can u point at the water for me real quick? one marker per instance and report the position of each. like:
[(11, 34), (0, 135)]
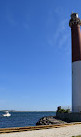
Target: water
[(21, 119)]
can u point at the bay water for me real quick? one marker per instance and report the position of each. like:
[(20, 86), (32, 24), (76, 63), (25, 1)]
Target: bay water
[(22, 119)]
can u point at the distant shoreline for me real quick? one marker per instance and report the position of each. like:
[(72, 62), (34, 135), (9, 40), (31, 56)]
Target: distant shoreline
[(25, 111)]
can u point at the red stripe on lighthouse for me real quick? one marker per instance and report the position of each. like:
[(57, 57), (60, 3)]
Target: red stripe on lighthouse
[(76, 42)]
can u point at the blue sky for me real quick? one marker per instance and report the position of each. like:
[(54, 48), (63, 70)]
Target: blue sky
[(35, 53)]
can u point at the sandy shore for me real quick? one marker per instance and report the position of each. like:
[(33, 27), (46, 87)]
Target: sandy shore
[(67, 131)]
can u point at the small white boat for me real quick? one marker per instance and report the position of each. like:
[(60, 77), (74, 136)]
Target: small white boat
[(7, 114)]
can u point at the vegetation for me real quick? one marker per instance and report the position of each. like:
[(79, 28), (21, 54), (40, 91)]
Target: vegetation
[(63, 110), (77, 136)]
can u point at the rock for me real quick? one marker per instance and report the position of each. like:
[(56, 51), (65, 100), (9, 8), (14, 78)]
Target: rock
[(49, 121)]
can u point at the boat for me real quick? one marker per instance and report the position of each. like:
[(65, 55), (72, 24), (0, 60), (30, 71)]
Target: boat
[(7, 114)]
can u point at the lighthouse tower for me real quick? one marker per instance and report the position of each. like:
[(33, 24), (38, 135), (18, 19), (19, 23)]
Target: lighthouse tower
[(75, 23)]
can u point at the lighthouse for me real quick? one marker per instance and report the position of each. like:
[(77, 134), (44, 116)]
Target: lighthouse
[(74, 24)]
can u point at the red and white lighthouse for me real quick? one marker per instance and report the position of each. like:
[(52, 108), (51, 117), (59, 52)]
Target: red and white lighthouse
[(75, 23)]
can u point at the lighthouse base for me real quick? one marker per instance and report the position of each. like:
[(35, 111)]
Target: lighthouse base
[(76, 86), (69, 117)]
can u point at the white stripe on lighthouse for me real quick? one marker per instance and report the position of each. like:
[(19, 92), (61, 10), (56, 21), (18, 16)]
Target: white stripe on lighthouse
[(76, 86)]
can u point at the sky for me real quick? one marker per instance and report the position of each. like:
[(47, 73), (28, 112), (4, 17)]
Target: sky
[(35, 54)]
